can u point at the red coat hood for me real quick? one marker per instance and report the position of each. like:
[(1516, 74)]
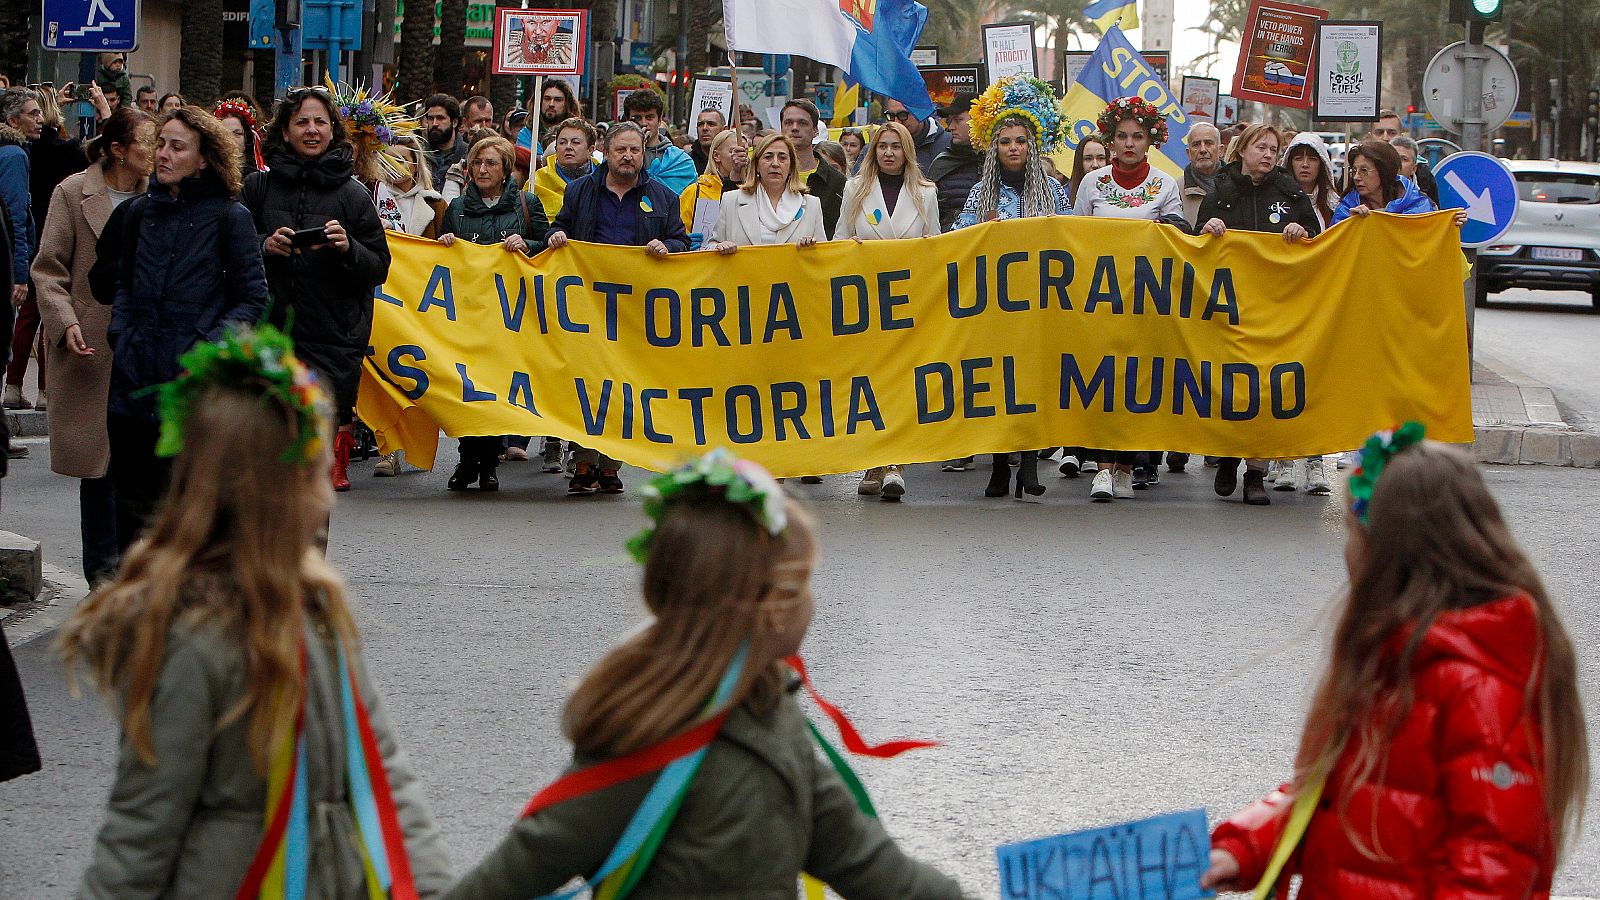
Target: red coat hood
[(1501, 637)]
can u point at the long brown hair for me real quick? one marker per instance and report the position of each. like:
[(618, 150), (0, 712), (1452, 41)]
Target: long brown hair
[(1436, 542), (867, 175), (217, 147), (230, 547), (712, 576)]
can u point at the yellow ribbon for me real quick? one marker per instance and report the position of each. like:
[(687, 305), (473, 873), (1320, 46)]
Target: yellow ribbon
[(1299, 820)]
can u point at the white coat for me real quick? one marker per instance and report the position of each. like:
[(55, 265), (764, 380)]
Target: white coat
[(916, 213), (740, 220)]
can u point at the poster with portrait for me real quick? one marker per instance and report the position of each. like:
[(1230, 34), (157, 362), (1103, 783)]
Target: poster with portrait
[(1227, 111), (540, 41), (945, 83), (1008, 49), (1199, 98), (1277, 53), (1072, 63), (1349, 71), (711, 92)]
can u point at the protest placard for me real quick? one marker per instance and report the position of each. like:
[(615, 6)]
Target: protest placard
[(1227, 110), (711, 92), (1349, 71), (945, 83), (540, 41), (1008, 49), (1199, 97), (1161, 62), (1276, 53), (1072, 63), (925, 55), (1160, 858)]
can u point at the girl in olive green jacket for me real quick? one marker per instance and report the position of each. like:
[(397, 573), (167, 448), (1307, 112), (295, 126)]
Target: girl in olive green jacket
[(250, 732), (702, 688)]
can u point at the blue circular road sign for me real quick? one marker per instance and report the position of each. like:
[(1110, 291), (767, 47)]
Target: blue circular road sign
[(1483, 186)]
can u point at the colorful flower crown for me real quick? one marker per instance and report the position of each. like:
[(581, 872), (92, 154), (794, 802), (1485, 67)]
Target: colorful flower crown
[(236, 108), (1375, 456), (1138, 109), (717, 474), (376, 124), (255, 360), (1027, 98)]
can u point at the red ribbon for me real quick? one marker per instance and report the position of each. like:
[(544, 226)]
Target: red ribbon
[(847, 732), (615, 771), (402, 885)]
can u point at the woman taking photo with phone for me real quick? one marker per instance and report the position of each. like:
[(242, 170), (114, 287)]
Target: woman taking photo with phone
[(322, 279)]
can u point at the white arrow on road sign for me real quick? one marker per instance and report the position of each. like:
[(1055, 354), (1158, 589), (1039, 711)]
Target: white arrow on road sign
[(1479, 207)]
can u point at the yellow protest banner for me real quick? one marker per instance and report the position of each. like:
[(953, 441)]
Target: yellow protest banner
[(1011, 335)]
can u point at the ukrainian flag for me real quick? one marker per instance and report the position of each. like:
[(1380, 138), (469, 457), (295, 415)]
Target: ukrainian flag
[(1109, 13), (1116, 69)]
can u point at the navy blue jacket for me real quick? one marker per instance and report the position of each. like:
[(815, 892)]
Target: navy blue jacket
[(176, 271), (580, 211)]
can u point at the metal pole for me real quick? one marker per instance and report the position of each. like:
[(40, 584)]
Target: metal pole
[(1473, 57)]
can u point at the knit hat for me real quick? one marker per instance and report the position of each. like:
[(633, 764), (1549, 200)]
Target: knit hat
[(1025, 97)]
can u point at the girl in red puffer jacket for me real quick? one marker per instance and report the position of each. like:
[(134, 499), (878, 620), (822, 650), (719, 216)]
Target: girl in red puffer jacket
[(1444, 754)]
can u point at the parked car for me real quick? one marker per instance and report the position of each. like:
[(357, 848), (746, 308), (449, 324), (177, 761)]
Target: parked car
[(1554, 243)]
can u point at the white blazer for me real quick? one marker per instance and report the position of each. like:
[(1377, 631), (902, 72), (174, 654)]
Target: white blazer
[(739, 221), (916, 213)]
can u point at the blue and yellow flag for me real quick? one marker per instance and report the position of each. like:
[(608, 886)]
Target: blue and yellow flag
[(1108, 14), (1116, 69), (845, 101)]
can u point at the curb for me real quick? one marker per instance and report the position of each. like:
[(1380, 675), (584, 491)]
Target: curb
[(28, 422), (62, 593), (1525, 445)]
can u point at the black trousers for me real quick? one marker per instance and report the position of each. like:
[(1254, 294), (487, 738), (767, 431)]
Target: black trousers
[(97, 515), (138, 477), (482, 453)]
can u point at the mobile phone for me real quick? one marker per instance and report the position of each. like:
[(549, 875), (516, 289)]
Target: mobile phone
[(307, 238), (82, 92)]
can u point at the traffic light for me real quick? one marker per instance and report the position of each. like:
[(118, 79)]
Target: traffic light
[(1411, 108), (1592, 111), (1466, 11)]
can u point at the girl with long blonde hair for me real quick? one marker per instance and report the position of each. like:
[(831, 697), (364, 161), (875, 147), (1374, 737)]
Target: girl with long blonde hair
[(230, 651), (1444, 753), (704, 688)]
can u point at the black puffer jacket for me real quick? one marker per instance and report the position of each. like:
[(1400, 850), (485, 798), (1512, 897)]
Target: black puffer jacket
[(176, 271), (1269, 206), (328, 291), (954, 172)]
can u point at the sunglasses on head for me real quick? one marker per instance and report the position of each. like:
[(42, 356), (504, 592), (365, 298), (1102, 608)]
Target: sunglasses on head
[(295, 95), (898, 115)]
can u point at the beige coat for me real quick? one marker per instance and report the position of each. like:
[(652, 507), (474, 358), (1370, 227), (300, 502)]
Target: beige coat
[(916, 213), (79, 385), (740, 221)]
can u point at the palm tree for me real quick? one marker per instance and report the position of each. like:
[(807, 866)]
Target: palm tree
[(14, 32), (705, 16), (953, 28), (416, 52), (1062, 18), (450, 62), (200, 66)]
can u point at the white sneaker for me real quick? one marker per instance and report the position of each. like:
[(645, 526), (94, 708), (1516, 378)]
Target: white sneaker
[(1089, 467), (1069, 466), (1123, 485), (1102, 490), (1291, 477), (40, 404), (1273, 469), (894, 484), (1317, 479), (389, 465)]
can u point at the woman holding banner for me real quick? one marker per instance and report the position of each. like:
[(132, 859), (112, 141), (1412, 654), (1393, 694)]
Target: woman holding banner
[(889, 200), (491, 211), (1253, 194), (772, 206), (1129, 188), (1016, 123), (1374, 168)]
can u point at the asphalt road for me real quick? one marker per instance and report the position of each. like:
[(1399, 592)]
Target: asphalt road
[(1552, 336), (1081, 664)]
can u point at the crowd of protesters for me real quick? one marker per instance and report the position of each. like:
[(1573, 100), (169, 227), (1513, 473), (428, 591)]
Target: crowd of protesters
[(176, 221)]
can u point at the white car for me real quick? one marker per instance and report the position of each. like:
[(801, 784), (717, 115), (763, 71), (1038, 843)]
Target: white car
[(1554, 243)]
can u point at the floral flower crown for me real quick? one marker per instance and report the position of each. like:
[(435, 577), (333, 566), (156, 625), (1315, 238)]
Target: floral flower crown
[(255, 360), (1140, 110), (1375, 456), (716, 474), (376, 125), (1025, 97), (236, 108)]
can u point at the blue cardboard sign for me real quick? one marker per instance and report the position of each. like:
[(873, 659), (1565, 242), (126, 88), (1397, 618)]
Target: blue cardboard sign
[(1483, 186), (90, 26), (1152, 859)]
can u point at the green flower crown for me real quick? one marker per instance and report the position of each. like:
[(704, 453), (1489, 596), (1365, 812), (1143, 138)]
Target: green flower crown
[(257, 360), (719, 474), (1375, 456)]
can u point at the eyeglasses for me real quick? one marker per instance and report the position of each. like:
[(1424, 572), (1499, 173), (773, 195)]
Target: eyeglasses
[(898, 115)]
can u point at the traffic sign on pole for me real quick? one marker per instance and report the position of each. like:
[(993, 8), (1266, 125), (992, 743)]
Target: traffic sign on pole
[(1448, 97), (90, 26), (1484, 187)]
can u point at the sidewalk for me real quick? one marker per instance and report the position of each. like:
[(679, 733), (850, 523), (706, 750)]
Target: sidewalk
[(1518, 421)]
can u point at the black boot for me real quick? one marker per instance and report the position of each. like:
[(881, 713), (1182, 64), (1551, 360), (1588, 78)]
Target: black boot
[(466, 473), (1028, 475), (1255, 488), (1000, 478), (489, 479), (1227, 476)]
